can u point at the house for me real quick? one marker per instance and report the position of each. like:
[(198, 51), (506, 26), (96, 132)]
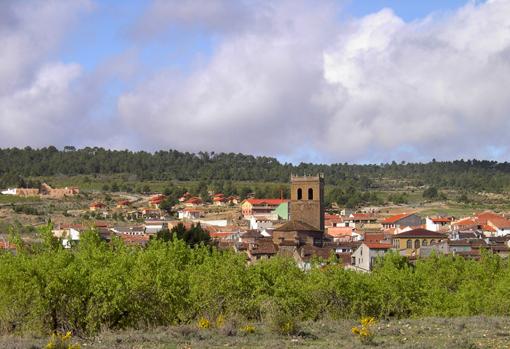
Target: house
[(401, 220), (259, 207), (333, 221), (72, 236), (156, 200), (185, 197), (343, 234), (437, 223), (189, 213), (219, 201), (21, 191), (250, 236), (153, 226), (225, 235), (57, 193), (260, 223), (44, 190), (500, 225), (298, 233), (409, 242), (262, 248), (96, 206), (135, 240), (149, 212), (346, 212), (123, 203), (233, 200), (491, 224), (193, 202), (364, 257), (68, 233), (122, 230), (281, 212), (305, 255), (357, 220), (375, 237)]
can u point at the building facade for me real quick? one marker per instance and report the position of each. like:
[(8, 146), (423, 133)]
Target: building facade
[(307, 200)]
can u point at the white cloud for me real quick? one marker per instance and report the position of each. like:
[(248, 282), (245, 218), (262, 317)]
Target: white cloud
[(375, 88), (257, 94), (39, 101), (437, 86)]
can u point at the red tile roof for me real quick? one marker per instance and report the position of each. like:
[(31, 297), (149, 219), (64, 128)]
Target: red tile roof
[(420, 233), (465, 222), (194, 201), (499, 222), (97, 204), (483, 217), (377, 246), (339, 231), (363, 216), (270, 202), (440, 219), (396, 218)]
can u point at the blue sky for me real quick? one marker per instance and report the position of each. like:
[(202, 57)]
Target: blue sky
[(105, 31), (302, 80)]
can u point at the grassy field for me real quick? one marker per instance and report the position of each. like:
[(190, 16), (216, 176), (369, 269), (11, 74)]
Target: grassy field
[(429, 333)]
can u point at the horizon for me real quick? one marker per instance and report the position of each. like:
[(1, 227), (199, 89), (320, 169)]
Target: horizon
[(330, 81), (213, 154)]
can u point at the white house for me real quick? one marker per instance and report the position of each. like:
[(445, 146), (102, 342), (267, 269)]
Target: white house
[(260, 223), (10, 191), (436, 223), (71, 236), (501, 225), (189, 213), (364, 257), (216, 222)]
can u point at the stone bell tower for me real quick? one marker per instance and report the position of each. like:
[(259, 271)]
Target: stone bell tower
[(307, 200)]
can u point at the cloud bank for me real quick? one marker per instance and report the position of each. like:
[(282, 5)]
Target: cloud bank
[(40, 102), (300, 83), (285, 78)]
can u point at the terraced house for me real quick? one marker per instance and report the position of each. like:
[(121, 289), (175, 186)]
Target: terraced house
[(408, 243)]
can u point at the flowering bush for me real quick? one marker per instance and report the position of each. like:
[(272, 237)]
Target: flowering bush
[(248, 329), (204, 323), (364, 332), (61, 341)]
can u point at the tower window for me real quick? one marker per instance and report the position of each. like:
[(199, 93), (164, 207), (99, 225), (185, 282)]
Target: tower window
[(300, 194), (310, 194)]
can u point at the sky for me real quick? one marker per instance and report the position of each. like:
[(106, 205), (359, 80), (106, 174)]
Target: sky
[(361, 81)]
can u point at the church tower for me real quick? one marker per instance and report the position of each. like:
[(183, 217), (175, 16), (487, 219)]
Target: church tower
[(307, 200)]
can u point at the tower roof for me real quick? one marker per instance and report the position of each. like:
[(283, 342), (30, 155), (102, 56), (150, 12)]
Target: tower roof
[(296, 226)]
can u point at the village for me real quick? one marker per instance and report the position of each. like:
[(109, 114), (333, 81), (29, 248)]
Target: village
[(300, 227)]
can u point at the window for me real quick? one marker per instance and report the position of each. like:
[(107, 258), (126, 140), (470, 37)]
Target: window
[(310, 194), (300, 194), (409, 244), (417, 244), (424, 243)]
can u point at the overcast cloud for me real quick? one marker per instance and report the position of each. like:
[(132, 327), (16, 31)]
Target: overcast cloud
[(286, 78)]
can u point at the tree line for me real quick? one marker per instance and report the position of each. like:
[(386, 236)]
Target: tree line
[(17, 164)]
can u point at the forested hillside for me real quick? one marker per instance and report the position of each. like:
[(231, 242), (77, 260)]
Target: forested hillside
[(174, 165)]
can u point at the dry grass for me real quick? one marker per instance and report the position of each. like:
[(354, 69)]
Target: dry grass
[(430, 333)]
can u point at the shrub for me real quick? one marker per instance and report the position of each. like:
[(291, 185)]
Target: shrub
[(364, 331), (61, 341), (204, 323)]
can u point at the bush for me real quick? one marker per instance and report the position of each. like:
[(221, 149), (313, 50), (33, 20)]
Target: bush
[(98, 285)]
